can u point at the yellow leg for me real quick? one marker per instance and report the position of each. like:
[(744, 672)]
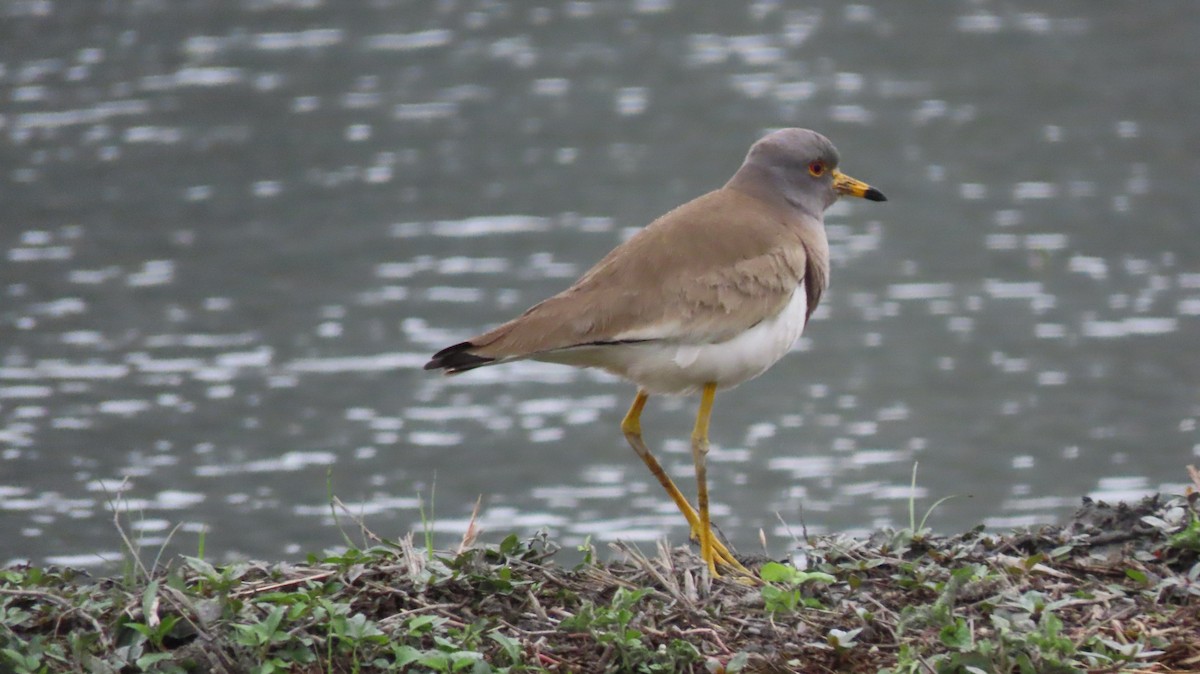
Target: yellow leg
[(699, 453), (632, 427)]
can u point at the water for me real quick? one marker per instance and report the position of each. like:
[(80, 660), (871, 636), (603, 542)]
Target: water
[(232, 233)]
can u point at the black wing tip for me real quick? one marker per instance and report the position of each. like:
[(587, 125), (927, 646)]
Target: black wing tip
[(457, 358)]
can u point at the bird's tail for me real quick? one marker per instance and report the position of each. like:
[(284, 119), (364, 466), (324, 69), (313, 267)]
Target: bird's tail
[(457, 358)]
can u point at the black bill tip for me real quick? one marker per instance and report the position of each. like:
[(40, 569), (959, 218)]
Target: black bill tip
[(873, 194)]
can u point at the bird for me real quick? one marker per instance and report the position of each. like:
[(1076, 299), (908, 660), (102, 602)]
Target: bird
[(709, 295)]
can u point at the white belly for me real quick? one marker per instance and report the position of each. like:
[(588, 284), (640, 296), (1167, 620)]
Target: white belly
[(675, 369)]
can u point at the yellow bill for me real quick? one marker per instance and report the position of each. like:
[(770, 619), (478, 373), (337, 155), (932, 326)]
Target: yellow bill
[(844, 184)]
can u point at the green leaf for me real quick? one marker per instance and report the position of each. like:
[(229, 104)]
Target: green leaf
[(150, 659), (202, 567), (167, 624), (1187, 538), (814, 577), (511, 647), (956, 635), (271, 623), (777, 600), (1061, 551), (435, 660), (774, 572), (405, 655), (358, 627), (1051, 624), (627, 599), (247, 635), (28, 662), (423, 623), (11, 616), (737, 663), (460, 660), (150, 603), (511, 545)]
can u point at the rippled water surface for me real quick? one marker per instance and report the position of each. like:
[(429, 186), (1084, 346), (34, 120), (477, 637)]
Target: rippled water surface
[(232, 232)]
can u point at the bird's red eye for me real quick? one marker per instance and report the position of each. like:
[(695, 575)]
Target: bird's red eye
[(817, 169)]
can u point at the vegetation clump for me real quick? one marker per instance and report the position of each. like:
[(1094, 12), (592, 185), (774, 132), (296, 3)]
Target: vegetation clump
[(1115, 589)]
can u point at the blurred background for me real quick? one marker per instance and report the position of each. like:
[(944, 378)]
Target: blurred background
[(231, 232)]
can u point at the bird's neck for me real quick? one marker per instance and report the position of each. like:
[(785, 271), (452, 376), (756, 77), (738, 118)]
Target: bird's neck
[(770, 186)]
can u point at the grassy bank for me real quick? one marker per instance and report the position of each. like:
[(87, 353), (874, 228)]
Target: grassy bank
[(1114, 589)]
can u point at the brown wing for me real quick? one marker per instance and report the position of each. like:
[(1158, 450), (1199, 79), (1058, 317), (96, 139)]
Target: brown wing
[(702, 273)]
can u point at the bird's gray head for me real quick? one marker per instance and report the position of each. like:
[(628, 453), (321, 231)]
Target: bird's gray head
[(801, 167)]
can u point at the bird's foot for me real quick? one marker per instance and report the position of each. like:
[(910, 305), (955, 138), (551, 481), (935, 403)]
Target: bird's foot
[(719, 555)]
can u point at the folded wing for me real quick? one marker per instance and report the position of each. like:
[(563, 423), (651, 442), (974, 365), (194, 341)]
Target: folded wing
[(701, 274)]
